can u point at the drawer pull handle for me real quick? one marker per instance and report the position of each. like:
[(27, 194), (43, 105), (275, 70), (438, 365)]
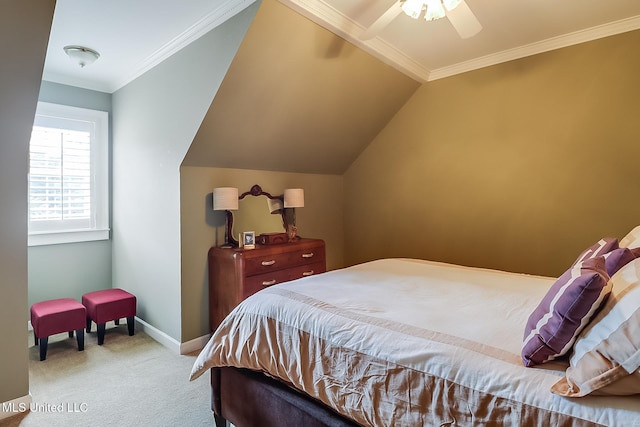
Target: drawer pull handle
[(269, 282), (268, 263), (309, 255), (307, 273)]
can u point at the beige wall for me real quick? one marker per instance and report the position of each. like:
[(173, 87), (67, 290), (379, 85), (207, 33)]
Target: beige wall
[(297, 98), (518, 166), (202, 228)]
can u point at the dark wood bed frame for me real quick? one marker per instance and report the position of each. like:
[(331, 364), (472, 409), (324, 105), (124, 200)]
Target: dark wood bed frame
[(246, 398)]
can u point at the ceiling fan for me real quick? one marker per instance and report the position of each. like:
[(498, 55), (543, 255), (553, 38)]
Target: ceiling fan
[(458, 12)]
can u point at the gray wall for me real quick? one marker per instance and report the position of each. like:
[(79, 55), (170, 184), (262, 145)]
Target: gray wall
[(155, 119), (28, 25), (74, 96), (71, 269)]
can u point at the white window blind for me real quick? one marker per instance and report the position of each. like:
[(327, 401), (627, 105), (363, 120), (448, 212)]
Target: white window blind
[(68, 192)]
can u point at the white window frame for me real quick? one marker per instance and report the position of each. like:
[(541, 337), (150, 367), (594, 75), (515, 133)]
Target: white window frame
[(98, 229)]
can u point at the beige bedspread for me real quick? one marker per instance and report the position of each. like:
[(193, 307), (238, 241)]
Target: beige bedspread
[(401, 342)]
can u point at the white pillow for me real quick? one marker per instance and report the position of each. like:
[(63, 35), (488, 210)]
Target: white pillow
[(631, 240), (606, 355)]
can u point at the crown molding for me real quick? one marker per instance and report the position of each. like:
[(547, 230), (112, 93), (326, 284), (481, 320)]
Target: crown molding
[(328, 17), (226, 10), (590, 34)]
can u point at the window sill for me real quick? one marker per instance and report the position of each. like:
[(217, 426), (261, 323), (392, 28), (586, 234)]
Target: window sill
[(42, 239)]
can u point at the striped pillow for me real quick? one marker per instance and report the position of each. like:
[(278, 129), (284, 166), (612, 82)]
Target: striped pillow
[(606, 357), (601, 247), (565, 310)]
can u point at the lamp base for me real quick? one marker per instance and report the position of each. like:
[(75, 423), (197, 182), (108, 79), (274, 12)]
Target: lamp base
[(292, 232)]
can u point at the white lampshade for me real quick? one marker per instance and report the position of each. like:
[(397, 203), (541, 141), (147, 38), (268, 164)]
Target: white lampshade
[(274, 205), (225, 198), (294, 198)]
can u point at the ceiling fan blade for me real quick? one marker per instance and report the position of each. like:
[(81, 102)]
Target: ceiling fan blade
[(384, 20), (464, 21)]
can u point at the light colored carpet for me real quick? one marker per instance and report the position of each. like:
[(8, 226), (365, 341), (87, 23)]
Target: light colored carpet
[(128, 381)]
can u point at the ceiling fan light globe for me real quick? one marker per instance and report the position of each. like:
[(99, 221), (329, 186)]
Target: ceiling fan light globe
[(451, 4), (434, 10), (413, 8)]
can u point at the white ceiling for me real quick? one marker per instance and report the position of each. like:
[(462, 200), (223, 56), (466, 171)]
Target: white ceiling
[(134, 36), (131, 36)]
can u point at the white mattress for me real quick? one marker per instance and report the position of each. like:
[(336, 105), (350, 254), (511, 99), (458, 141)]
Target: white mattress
[(408, 342)]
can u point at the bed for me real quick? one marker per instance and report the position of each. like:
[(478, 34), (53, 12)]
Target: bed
[(409, 342)]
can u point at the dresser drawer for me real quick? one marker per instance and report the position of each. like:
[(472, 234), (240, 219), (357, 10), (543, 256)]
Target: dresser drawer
[(283, 260), (256, 283), (237, 273)]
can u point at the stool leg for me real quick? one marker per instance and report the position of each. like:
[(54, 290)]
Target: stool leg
[(43, 347), (70, 334), (116, 322), (35, 337), (80, 339), (101, 333), (130, 324), (88, 325)]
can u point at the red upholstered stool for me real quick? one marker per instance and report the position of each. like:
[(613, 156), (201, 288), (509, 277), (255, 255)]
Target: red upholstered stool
[(109, 304), (56, 316)]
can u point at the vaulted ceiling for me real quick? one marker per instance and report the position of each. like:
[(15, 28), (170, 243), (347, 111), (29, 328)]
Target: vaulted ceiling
[(306, 91), (297, 98), (134, 36), (510, 30)]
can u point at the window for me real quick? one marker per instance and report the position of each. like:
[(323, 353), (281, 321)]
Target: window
[(68, 175)]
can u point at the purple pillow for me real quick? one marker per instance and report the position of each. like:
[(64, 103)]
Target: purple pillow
[(601, 247), (618, 258), (565, 310)]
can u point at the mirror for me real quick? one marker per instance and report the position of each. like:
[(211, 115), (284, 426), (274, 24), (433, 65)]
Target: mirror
[(254, 213)]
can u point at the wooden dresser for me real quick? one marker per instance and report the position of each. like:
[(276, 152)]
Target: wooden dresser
[(235, 274)]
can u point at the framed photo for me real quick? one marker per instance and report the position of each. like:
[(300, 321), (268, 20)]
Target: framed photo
[(249, 239)]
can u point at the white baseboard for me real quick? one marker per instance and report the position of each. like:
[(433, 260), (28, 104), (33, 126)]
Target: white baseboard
[(172, 344), (195, 344), (159, 336), (15, 406)]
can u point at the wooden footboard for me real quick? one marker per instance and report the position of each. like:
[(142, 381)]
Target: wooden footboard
[(246, 398)]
